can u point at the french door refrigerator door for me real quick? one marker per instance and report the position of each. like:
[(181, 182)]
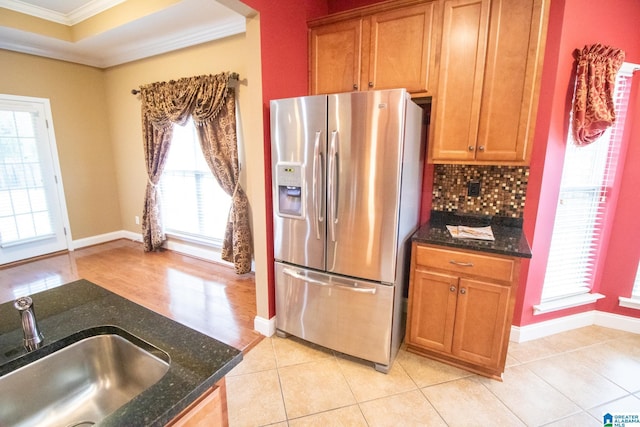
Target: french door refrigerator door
[(365, 141), (298, 152), (347, 315)]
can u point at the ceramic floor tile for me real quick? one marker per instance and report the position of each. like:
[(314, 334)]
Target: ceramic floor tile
[(576, 380), (292, 350), (366, 383), (425, 371), (628, 405), (314, 387), (629, 345), (259, 358), (582, 337), (578, 420), (351, 416), (511, 361), (466, 402), (533, 400), (406, 409), (614, 364), (254, 399), (532, 350)]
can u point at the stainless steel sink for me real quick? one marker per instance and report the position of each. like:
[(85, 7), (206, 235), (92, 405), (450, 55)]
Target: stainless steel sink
[(80, 384)]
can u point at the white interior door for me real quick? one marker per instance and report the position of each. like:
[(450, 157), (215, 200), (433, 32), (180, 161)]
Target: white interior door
[(33, 215)]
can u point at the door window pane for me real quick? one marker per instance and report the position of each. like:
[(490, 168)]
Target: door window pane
[(24, 213)]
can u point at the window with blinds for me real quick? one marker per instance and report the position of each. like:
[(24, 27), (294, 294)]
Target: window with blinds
[(194, 207), (587, 177), (635, 294)]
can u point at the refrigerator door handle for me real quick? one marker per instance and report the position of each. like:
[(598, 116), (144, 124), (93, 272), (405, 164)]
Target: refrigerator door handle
[(333, 183), (349, 286), (317, 183)]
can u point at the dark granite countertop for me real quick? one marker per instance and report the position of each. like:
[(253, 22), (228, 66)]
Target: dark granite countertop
[(197, 361), (509, 238)]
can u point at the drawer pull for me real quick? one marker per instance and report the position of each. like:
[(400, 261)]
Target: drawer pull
[(461, 264)]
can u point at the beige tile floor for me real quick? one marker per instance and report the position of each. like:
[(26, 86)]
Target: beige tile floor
[(568, 379)]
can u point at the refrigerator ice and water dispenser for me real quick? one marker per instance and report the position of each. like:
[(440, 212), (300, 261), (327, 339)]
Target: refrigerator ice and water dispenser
[(290, 182)]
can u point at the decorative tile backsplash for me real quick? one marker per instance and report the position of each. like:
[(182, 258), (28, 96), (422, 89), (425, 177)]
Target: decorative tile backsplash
[(502, 189)]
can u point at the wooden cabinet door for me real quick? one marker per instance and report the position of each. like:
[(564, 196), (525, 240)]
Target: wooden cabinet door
[(401, 49), (462, 58), (481, 319), (432, 310), (513, 66), (209, 410), (334, 57)]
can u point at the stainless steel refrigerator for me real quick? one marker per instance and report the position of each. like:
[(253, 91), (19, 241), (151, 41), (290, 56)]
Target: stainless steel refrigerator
[(347, 173)]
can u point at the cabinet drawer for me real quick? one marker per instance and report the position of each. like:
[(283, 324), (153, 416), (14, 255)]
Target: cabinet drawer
[(475, 264)]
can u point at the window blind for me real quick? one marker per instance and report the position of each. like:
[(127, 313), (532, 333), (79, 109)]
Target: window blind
[(586, 182), (194, 207), (636, 286)]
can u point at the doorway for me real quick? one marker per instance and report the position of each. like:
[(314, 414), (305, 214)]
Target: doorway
[(33, 214)]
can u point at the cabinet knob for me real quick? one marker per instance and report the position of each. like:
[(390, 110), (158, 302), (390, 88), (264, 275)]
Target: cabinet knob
[(370, 84), (481, 148), (463, 291), (355, 86), (452, 288), (471, 148)]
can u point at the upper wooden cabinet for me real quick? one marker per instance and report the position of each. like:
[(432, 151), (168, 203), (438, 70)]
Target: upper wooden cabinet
[(490, 64), (385, 46)]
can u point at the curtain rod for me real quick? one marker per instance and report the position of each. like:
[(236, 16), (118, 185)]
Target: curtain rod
[(232, 76)]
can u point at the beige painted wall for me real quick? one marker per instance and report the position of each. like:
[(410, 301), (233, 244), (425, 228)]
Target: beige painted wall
[(239, 54), (99, 135), (124, 108), (77, 95)]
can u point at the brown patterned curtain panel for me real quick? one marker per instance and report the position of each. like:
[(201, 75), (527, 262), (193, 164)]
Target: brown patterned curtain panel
[(593, 111), (212, 104)]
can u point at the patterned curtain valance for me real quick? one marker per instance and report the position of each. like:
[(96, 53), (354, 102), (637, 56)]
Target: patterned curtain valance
[(165, 103), (212, 104), (593, 110)]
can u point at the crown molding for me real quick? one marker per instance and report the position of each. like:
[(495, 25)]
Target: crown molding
[(177, 41), (74, 17), (137, 51)]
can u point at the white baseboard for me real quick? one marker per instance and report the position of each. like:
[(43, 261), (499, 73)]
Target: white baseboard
[(575, 321), (617, 321), (266, 327), (197, 251), (107, 237)]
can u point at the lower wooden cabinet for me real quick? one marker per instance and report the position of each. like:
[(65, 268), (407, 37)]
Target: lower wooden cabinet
[(461, 306), (210, 410)]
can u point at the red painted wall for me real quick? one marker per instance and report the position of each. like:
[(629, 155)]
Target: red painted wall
[(571, 26), (284, 53), (283, 39)]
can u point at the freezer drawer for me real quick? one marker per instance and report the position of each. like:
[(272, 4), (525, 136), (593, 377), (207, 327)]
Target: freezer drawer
[(347, 315)]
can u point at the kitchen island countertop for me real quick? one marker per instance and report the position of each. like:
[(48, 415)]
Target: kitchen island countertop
[(197, 361), (509, 237)]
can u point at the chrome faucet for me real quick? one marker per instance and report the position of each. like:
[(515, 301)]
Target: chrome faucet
[(32, 336)]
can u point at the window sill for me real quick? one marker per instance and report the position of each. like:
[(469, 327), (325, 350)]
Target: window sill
[(629, 302), (564, 303)]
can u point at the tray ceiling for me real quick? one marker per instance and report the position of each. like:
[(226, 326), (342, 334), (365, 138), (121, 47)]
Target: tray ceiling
[(179, 24)]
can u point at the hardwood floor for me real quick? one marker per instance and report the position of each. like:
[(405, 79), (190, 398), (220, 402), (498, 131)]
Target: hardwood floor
[(205, 296)]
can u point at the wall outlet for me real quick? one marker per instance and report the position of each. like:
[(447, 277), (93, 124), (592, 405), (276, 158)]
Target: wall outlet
[(137, 220), (473, 189)]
